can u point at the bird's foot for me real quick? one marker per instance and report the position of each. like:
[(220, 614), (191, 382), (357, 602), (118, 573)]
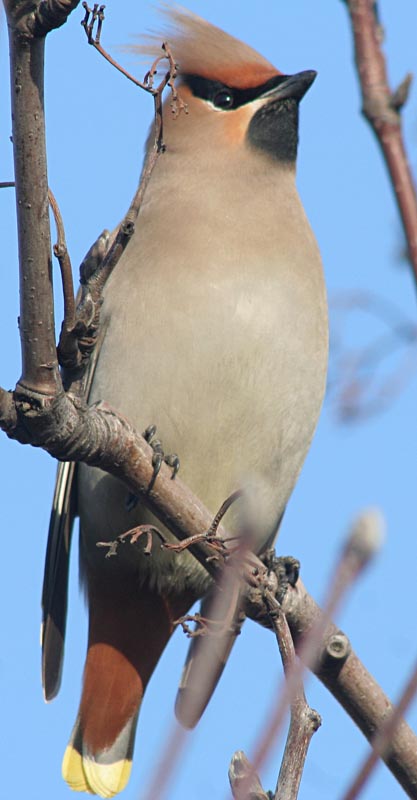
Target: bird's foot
[(159, 456), (286, 568)]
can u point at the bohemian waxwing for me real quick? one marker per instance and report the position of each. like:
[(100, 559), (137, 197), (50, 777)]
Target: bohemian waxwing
[(216, 329)]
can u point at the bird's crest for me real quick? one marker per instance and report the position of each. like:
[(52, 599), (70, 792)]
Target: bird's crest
[(201, 48)]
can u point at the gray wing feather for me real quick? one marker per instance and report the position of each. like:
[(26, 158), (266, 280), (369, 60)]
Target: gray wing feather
[(55, 582), (56, 573)]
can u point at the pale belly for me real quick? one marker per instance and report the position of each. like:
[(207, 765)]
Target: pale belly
[(231, 368)]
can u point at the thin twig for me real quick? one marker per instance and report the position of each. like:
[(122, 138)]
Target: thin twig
[(61, 252), (134, 534), (222, 511), (361, 545), (219, 545), (304, 721), (96, 14), (92, 284), (381, 109)]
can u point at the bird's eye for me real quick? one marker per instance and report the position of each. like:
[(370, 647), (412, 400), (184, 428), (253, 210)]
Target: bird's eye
[(223, 99)]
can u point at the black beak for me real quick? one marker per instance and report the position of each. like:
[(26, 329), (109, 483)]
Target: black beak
[(291, 86)]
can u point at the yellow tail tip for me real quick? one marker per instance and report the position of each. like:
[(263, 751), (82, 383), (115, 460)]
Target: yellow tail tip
[(73, 772), (85, 774)]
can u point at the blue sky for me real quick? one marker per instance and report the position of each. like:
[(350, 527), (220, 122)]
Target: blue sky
[(97, 123)]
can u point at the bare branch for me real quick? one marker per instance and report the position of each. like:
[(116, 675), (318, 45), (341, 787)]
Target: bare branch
[(39, 361), (344, 675), (107, 256), (381, 743), (304, 721), (360, 545), (61, 252), (381, 109)]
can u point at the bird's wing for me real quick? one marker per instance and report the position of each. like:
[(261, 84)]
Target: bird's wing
[(55, 581), (56, 571)]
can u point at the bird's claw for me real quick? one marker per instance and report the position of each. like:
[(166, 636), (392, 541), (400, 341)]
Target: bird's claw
[(159, 456)]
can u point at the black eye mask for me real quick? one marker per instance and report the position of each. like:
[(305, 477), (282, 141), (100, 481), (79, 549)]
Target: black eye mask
[(227, 97)]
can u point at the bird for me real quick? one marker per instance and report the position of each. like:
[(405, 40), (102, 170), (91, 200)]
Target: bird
[(215, 323)]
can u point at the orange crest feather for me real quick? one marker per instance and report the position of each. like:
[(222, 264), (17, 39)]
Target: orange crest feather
[(201, 48)]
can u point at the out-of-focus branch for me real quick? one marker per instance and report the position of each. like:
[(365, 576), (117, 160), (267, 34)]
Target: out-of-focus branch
[(335, 664), (382, 107), (363, 380), (242, 774)]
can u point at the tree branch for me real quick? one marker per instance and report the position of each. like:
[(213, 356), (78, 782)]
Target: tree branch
[(344, 675), (381, 107), (304, 721), (381, 742), (48, 15), (39, 361)]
